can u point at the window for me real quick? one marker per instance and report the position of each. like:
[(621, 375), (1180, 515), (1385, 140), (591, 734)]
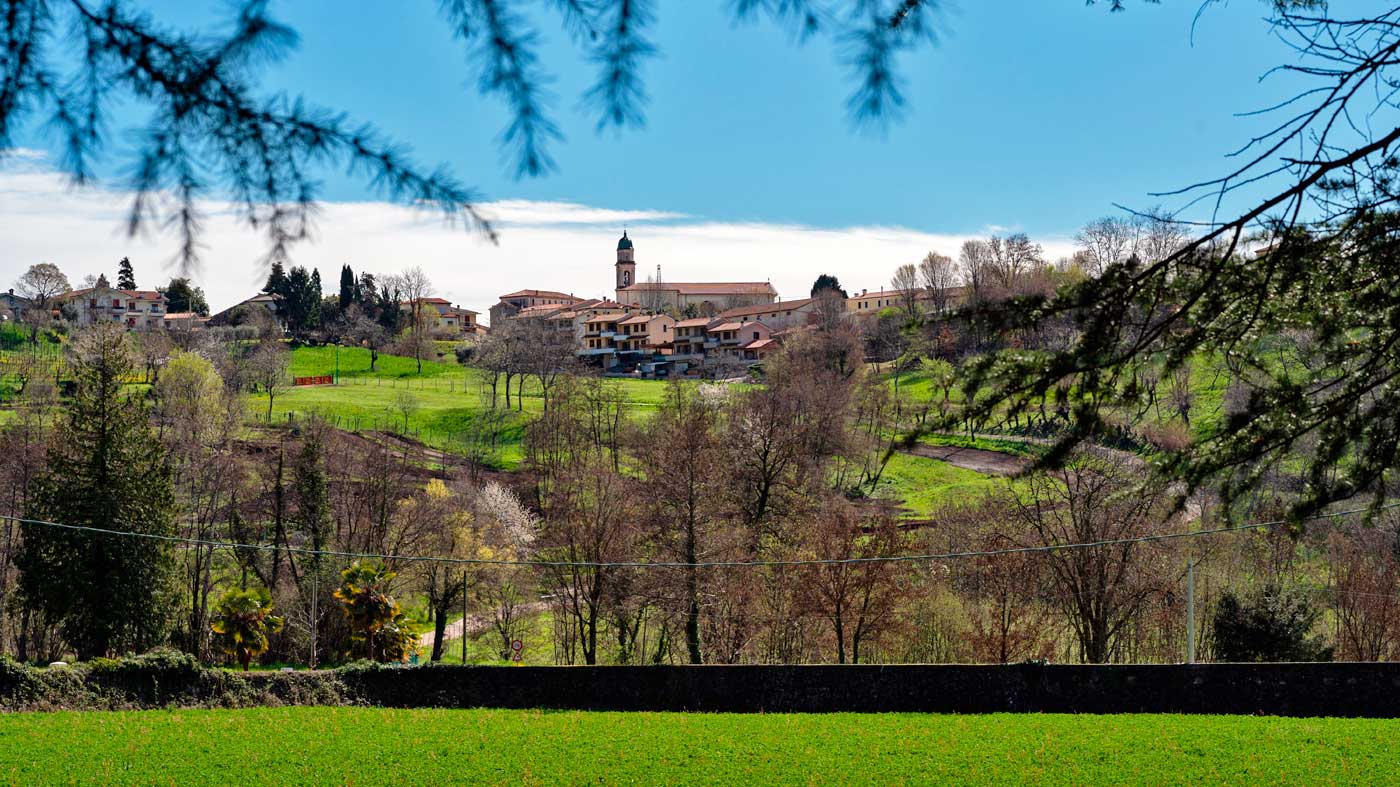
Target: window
[(755, 335), (116, 304), (92, 303)]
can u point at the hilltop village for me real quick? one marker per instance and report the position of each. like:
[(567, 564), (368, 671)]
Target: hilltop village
[(665, 328)]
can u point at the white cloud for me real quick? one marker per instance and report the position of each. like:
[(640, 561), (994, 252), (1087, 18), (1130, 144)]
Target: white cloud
[(23, 156), (525, 212), (548, 245)]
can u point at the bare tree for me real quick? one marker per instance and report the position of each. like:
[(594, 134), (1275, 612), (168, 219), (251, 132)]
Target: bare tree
[(653, 296), (938, 275), (500, 355), (358, 330), (1108, 241), (975, 259), (1161, 236), (907, 290), (857, 598), (1099, 589), (268, 368), (544, 353), (406, 404), (830, 309), (679, 452), (1013, 257), (1004, 594), (1365, 583), (155, 348), (589, 522), (414, 287), (198, 420)]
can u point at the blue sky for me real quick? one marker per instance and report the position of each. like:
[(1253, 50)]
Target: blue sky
[(1036, 114), (1031, 115)]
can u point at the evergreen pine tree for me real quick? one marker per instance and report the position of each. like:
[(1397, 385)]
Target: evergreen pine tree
[(182, 296), (126, 276), (295, 299), (107, 593), (276, 280)]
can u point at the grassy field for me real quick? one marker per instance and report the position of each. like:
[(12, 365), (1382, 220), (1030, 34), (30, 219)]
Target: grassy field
[(312, 747), (444, 402), (354, 362), (928, 484), (1208, 383)]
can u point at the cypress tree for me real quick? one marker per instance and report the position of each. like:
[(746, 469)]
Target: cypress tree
[(347, 287), (313, 300), (311, 517), (107, 593)]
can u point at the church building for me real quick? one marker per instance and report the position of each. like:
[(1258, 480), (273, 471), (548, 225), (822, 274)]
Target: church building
[(705, 297)]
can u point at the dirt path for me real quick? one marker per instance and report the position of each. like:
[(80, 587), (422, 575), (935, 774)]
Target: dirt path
[(975, 459), (1004, 464), (475, 624)]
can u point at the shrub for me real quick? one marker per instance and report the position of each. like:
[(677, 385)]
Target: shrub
[(242, 623), (1271, 625), (159, 679)]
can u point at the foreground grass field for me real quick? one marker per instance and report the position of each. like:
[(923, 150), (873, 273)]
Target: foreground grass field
[(312, 747)]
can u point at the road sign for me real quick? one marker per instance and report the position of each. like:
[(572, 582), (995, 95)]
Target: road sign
[(515, 647)]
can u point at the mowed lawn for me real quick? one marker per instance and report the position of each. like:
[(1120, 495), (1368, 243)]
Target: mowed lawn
[(311, 747)]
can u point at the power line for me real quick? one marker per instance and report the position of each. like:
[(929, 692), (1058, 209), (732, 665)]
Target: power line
[(926, 557)]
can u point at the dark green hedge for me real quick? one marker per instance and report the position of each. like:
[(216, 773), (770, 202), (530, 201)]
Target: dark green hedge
[(162, 680)]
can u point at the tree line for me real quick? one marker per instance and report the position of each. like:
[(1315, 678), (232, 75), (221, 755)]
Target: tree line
[(766, 475)]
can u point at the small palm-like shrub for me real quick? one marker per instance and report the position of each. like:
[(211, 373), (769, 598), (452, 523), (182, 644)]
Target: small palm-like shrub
[(374, 616), (242, 622)]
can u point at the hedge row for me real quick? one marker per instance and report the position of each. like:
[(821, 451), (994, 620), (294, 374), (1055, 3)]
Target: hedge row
[(158, 680), (162, 680)]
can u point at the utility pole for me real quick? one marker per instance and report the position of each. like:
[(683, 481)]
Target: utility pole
[(1191, 596), (1190, 609), (315, 621)]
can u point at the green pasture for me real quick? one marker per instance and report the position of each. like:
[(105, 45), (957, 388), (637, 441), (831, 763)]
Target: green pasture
[(1208, 383), (354, 362), (445, 404), (926, 485), (367, 747)]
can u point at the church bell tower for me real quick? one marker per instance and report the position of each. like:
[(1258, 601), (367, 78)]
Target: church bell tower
[(626, 266)]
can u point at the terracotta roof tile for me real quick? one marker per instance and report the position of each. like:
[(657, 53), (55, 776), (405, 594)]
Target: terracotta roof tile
[(706, 288), (767, 308)]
